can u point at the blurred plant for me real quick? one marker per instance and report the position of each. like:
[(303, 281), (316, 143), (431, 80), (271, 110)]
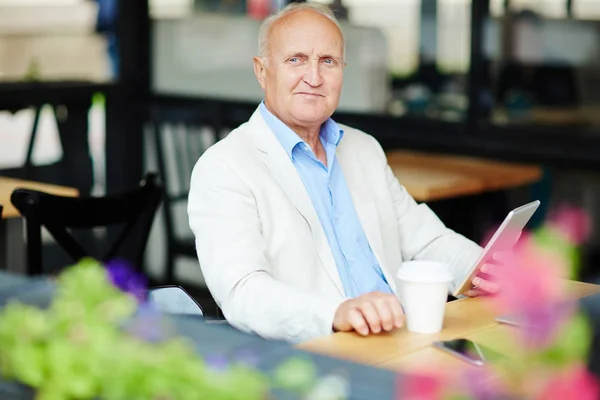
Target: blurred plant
[(100, 339), (572, 383), (420, 387), (32, 74), (553, 338), (126, 279), (296, 375)]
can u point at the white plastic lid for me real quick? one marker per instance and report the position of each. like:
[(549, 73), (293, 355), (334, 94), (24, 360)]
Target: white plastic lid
[(425, 272)]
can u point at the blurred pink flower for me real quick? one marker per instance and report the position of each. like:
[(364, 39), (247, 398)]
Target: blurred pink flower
[(540, 327), (531, 282), (572, 222), (575, 383), (482, 384), (529, 277), (419, 387)]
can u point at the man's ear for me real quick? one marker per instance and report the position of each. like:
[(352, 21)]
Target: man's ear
[(260, 70)]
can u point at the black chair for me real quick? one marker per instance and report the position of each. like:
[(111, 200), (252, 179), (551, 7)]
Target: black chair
[(179, 143), (181, 134), (174, 299), (134, 211), (1, 208)]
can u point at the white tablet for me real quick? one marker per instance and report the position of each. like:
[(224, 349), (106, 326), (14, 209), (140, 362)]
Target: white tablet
[(504, 239)]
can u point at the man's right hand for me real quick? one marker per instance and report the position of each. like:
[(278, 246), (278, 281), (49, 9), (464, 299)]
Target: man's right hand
[(369, 313)]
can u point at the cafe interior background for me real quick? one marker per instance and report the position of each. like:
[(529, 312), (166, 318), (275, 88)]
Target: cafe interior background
[(94, 105), (512, 81)]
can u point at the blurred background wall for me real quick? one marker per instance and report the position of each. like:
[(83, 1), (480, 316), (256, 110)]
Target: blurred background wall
[(510, 80)]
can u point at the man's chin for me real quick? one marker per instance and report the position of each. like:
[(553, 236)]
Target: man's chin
[(308, 114)]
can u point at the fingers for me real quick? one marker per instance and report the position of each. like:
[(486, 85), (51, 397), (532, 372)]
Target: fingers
[(358, 322), (382, 312), (385, 314), (489, 269), (475, 292), (371, 315), (486, 285), (397, 312), (390, 312), (503, 257)]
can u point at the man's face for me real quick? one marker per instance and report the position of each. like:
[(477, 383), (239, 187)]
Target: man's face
[(304, 69)]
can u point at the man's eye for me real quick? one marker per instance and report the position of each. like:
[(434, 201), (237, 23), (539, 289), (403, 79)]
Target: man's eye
[(294, 59), (329, 61)]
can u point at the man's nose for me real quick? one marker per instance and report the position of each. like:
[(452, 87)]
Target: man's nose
[(313, 74)]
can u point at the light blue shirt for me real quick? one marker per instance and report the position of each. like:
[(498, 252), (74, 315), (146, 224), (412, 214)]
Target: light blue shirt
[(325, 184)]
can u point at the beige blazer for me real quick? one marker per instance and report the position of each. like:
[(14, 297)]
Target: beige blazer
[(261, 247)]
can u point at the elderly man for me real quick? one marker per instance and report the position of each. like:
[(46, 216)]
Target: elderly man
[(300, 224)]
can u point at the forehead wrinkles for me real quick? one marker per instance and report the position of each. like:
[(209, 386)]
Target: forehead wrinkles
[(286, 34), (310, 49)]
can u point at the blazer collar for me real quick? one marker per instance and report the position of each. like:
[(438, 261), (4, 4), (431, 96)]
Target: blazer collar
[(281, 167), (349, 157), (353, 161)]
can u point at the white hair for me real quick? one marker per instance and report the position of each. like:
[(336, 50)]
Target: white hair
[(265, 27)]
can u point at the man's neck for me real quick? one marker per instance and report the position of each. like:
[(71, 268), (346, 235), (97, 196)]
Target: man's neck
[(310, 134)]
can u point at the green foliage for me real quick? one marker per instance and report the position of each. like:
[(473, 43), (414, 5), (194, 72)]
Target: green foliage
[(571, 346), (76, 349), (32, 73), (296, 375), (552, 240)]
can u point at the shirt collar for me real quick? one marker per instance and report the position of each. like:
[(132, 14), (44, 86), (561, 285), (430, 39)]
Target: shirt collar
[(330, 131)]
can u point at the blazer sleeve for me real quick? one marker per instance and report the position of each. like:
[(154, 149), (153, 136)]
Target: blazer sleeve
[(232, 252), (423, 236)]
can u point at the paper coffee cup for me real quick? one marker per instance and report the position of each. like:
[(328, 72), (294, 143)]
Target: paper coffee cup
[(423, 292)]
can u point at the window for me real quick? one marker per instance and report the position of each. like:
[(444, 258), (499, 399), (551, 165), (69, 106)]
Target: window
[(545, 8), (51, 40), (400, 22), (427, 52), (543, 67), (586, 9), (453, 35)]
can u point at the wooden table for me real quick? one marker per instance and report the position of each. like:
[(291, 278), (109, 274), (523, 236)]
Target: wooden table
[(432, 177), (12, 243), (411, 352)]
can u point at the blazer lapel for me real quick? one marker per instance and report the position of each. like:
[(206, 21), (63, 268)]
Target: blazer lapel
[(362, 197), (282, 168)]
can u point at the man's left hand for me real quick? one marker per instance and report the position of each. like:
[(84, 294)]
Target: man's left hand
[(483, 283)]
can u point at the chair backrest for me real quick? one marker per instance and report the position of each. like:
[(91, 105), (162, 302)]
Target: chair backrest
[(134, 210), (174, 300), (182, 132), (1, 208), (181, 135)]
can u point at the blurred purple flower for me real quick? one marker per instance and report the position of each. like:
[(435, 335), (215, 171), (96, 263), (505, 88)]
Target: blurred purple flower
[(217, 362), (127, 279), (148, 324), (482, 384), (532, 282), (247, 357), (539, 325)]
